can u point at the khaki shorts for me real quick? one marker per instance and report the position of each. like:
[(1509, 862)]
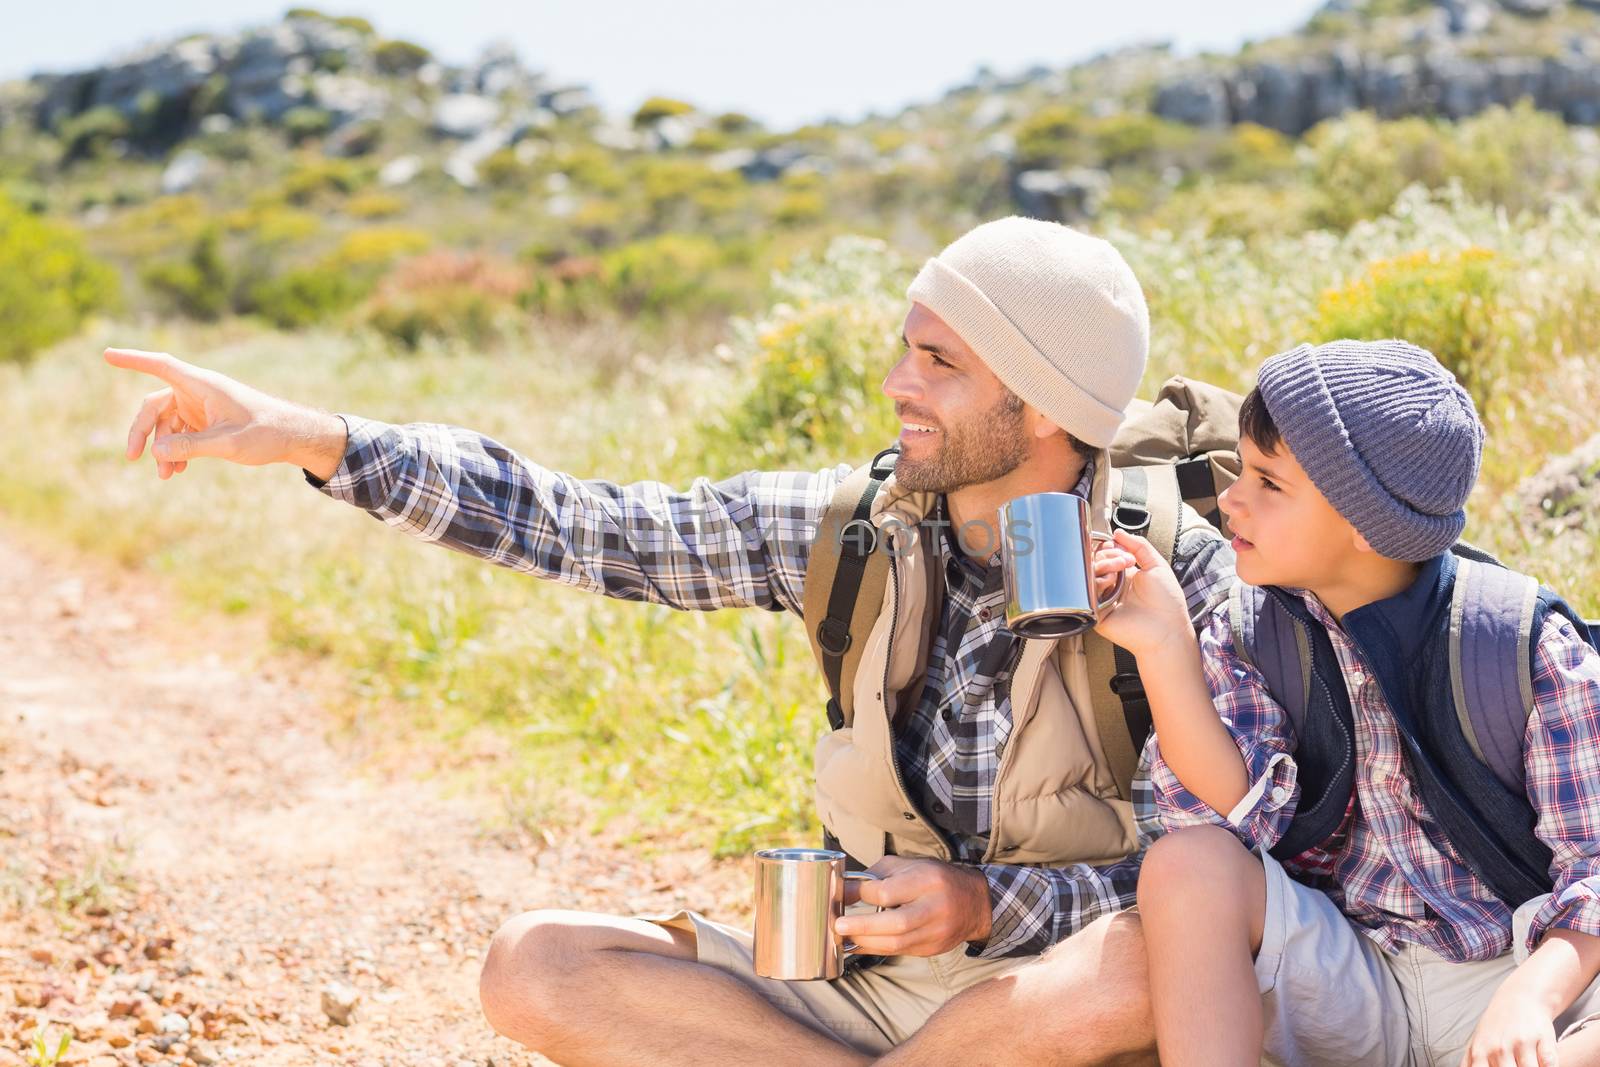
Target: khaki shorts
[(871, 1010), (1332, 996)]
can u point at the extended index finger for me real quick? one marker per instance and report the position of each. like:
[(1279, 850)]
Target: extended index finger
[(168, 368)]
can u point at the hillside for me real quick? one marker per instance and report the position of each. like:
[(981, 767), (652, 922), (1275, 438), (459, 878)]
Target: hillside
[(313, 169)]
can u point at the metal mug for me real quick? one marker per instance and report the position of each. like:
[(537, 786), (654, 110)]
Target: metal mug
[(1047, 563), (799, 894)]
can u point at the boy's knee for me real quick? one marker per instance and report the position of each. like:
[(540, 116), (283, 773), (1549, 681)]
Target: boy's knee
[(1196, 858), (519, 984)]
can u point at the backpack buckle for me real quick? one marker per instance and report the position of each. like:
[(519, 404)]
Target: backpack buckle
[(1127, 685), (1134, 520), (834, 637)]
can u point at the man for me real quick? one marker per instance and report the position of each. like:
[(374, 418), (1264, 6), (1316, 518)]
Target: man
[(968, 779)]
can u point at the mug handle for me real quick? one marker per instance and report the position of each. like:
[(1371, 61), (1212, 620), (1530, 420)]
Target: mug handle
[(857, 876), (1109, 604)]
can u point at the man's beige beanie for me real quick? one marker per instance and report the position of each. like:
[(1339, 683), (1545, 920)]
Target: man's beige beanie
[(1056, 314)]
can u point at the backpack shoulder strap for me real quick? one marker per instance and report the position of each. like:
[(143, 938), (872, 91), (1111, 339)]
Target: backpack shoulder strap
[(1145, 501), (845, 578), (1271, 639), (1492, 613)]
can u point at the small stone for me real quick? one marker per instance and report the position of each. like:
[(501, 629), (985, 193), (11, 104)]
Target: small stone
[(202, 1055), (147, 1025), (173, 1023), (41, 955), (339, 1002)]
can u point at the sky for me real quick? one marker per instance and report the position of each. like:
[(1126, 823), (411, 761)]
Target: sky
[(784, 63)]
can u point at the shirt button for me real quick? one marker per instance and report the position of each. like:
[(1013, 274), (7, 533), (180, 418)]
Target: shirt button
[(908, 816), (938, 808), (947, 715), (983, 614), (1280, 795)]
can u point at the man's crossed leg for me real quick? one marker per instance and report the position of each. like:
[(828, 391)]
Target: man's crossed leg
[(586, 989)]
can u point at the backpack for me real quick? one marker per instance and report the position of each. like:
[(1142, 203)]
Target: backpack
[(1177, 450), (1461, 699)]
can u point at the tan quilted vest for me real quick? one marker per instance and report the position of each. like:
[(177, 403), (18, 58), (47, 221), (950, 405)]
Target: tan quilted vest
[(1055, 800)]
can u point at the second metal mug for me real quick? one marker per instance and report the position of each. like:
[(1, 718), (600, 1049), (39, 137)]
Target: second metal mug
[(1047, 563), (799, 894)]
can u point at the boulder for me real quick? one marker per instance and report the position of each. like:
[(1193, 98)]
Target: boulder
[(1533, 8), (399, 171), (464, 115), (184, 172), (1198, 100), (1062, 196)]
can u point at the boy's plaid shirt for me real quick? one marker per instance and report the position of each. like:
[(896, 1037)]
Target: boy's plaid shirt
[(1389, 868), (745, 542)]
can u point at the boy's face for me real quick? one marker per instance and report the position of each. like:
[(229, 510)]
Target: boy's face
[(1285, 531)]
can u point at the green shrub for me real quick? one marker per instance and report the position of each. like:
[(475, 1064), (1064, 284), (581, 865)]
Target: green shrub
[(1446, 302), (1359, 164), (1517, 158), (377, 246), (400, 57), (304, 123), (305, 296), (1133, 137), (735, 122), (1252, 153), (199, 285), (818, 360), (448, 297), (316, 178), (88, 135), (1054, 134), (661, 274), (659, 107), (48, 282)]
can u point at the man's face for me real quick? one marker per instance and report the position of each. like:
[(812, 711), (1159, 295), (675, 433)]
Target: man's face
[(1286, 532), (960, 426)]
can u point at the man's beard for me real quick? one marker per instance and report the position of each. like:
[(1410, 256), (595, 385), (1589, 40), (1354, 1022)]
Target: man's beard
[(978, 450)]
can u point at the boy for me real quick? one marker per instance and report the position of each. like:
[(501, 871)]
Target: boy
[(1347, 883)]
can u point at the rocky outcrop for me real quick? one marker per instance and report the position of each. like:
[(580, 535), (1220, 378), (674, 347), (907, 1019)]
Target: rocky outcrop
[(261, 75), (1293, 95), (1062, 196)]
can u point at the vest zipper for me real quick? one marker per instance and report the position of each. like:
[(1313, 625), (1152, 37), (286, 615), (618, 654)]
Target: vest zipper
[(894, 760), (989, 853)]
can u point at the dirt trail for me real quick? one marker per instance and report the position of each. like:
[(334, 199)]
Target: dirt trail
[(187, 862)]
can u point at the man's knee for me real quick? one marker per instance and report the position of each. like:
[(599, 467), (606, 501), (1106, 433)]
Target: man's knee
[(523, 970), (1201, 859), (538, 978)]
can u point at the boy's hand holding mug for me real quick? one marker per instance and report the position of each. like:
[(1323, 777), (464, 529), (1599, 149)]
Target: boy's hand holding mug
[(1153, 614)]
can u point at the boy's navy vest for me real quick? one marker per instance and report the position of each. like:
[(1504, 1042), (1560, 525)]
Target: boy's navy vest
[(1453, 655)]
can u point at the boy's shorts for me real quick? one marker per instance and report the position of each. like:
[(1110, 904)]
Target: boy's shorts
[(870, 1010), (1331, 996)]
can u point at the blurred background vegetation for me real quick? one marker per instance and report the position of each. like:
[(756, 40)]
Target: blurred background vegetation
[(674, 293)]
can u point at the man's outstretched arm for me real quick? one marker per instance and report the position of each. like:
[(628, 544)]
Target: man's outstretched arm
[(740, 542)]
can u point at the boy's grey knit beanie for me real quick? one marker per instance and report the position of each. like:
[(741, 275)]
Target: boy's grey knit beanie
[(1057, 315), (1385, 433)]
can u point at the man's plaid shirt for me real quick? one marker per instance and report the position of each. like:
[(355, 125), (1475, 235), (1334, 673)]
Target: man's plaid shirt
[(745, 542), (1389, 867)]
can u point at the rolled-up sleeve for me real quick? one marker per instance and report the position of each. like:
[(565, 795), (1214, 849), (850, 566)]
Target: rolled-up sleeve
[(1562, 761), (743, 541), (1261, 730)]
